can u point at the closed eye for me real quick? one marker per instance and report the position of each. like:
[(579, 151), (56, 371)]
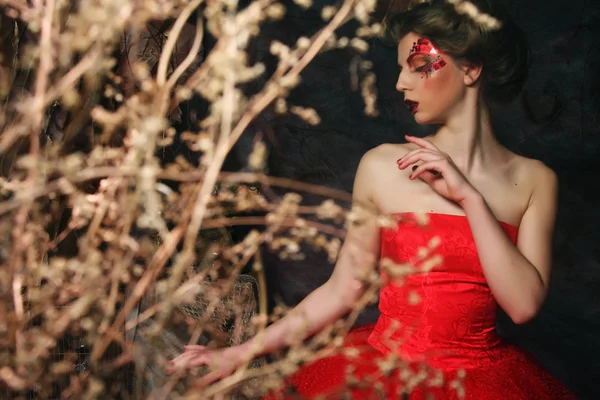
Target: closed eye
[(420, 63)]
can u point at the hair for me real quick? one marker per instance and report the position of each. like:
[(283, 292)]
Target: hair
[(502, 51)]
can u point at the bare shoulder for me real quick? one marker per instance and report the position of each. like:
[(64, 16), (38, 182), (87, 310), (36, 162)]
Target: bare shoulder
[(545, 190), (543, 174), (374, 167), (383, 153), (376, 162), (542, 180), (371, 162), (535, 171)]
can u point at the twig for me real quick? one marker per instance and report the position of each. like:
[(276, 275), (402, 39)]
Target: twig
[(212, 173), (213, 303), (189, 59), (154, 269), (21, 7), (89, 61), (287, 222), (41, 81), (193, 176), (42, 97), (271, 94), (19, 310), (34, 148), (156, 307), (163, 62)]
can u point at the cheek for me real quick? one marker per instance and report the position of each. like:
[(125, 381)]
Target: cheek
[(436, 73), (439, 86), (434, 83)]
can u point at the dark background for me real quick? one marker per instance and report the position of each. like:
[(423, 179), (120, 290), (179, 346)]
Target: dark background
[(557, 120)]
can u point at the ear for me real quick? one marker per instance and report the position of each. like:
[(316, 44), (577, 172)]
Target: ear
[(471, 72)]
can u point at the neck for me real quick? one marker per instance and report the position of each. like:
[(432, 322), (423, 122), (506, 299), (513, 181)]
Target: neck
[(468, 137)]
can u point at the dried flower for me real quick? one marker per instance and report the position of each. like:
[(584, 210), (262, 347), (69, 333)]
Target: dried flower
[(369, 94), (304, 3), (359, 45), (329, 210), (328, 12), (280, 106), (307, 114), (486, 21), (343, 42), (146, 240), (276, 11), (258, 157)]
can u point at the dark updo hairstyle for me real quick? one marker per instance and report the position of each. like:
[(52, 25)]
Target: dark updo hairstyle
[(501, 51)]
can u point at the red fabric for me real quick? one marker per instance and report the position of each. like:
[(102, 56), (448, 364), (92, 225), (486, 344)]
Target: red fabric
[(450, 333)]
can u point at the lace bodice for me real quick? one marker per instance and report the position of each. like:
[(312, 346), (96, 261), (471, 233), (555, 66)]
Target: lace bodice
[(453, 323)]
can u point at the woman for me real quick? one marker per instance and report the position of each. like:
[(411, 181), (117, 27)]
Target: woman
[(494, 211)]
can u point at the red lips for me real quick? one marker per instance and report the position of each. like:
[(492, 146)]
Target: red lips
[(412, 105)]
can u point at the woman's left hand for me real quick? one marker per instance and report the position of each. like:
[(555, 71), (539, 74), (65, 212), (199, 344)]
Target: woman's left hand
[(437, 170)]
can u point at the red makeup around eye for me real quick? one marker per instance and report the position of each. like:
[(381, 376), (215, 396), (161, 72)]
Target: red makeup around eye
[(425, 48)]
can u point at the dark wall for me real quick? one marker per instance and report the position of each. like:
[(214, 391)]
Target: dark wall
[(560, 125)]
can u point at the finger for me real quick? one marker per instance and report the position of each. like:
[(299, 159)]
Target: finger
[(412, 154), (200, 359), (425, 155), (417, 151), (179, 359), (432, 167), (420, 149), (436, 174), (193, 347), (422, 142), (176, 367), (210, 378), (183, 356)]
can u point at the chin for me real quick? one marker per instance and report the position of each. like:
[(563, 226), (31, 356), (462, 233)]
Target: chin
[(424, 119)]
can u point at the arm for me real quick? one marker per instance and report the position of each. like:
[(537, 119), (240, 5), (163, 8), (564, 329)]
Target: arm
[(337, 296), (518, 276)]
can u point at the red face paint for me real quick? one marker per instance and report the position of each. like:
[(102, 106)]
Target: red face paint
[(425, 58)]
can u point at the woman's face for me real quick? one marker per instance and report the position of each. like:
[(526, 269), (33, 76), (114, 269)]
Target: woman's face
[(432, 83)]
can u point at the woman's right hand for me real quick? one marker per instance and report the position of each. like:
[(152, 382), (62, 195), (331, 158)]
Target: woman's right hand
[(222, 362)]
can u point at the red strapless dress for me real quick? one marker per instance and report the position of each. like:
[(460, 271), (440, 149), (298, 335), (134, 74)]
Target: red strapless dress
[(449, 334)]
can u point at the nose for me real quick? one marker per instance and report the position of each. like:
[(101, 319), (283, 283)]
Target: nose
[(403, 83)]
